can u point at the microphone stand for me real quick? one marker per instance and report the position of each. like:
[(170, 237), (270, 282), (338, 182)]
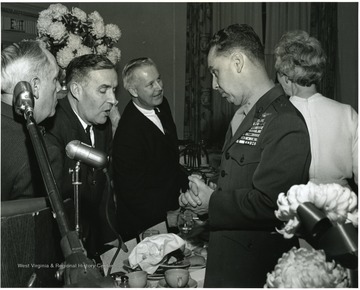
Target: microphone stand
[(76, 182), (79, 271)]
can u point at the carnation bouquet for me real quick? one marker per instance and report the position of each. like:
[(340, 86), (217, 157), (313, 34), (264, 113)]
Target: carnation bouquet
[(69, 34), (326, 216), (307, 268), (338, 203)]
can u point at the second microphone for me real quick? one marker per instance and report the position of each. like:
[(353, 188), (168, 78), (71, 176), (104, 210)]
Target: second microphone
[(86, 154)]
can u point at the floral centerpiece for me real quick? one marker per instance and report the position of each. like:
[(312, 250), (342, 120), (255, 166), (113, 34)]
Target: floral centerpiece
[(326, 215), (69, 34), (338, 203), (307, 268)]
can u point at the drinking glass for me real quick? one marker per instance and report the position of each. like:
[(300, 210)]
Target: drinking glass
[(185, 222)]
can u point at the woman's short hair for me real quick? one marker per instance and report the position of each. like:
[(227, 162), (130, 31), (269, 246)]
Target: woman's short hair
[(21, 62), (300, 57), (131, 66), (79, 67)]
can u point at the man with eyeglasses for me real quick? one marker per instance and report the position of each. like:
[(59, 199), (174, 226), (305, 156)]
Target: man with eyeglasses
[(84, 115), (147, 173)]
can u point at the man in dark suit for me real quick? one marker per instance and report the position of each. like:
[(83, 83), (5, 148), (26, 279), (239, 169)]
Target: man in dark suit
[(28, 61), (147, 173), (266, 151), (84, 115)]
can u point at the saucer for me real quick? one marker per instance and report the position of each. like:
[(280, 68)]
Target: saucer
[(191, 284), (179, 264), (159, 274)]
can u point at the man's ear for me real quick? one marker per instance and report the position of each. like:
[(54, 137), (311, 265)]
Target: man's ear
[(75, 90), (35, 85), (237, 59), (133, 92)]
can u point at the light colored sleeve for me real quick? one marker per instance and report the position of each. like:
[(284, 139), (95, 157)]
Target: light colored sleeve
[(354, 120)]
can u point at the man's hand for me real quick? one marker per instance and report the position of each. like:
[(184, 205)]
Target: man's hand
[(197, 197)]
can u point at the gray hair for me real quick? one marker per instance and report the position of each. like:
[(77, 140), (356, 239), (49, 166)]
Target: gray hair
[(300, 57), (21, 62), (131, 66)]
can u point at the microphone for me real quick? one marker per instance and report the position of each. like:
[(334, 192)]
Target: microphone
[(87, 154), (23, 99)]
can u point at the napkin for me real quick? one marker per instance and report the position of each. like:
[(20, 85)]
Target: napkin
[(151, 251)]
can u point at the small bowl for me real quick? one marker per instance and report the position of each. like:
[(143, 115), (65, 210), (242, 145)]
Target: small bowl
[(137, 279), (177, 278)]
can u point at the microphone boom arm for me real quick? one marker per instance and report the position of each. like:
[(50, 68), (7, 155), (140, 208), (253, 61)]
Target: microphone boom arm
[(82, 272)]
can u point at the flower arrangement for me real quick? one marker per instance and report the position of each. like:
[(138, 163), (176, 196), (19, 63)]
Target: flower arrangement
[(69, 34), (338, 203), (307, 268)]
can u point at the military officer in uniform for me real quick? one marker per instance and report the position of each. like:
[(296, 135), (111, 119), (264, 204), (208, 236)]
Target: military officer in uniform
[(266, 151)]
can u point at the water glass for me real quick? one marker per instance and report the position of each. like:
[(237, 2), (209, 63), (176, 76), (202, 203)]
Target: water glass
[(185, 222)]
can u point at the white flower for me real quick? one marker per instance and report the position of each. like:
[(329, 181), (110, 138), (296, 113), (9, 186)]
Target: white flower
[(58, 10), (82, 50), (79, 14), (57, 30), (114, 54), (101, 49), (80, 32), (112, 31), (97, 26), (338, 203), (44, 21), (64, 56), (306, 268), (98, 29), (74, 41)]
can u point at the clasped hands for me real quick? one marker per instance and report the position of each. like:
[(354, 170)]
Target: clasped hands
[(197, 197)]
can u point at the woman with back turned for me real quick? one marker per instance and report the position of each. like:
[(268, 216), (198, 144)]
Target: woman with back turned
[(332, 126)]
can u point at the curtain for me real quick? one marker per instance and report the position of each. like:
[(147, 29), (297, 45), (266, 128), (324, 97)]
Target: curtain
[(324, 28), (225, 14), (207, 115), (198, 105), (282, 17)]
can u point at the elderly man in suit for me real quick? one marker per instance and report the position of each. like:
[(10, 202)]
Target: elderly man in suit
[(84, 115), (28, 61), (147, 173), (266, 151)]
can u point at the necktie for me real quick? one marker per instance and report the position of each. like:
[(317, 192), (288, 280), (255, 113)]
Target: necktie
[(87, 131), (237, 119)]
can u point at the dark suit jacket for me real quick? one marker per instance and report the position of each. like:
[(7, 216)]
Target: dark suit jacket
[(20, 172), (66, 127), (268, 154), (147, 174)]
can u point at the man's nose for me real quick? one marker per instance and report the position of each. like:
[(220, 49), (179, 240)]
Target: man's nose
[(58, 86), (215, 85), (112, 98)]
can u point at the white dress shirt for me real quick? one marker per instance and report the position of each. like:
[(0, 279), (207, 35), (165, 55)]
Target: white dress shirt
[(150, 114), (92, 135)]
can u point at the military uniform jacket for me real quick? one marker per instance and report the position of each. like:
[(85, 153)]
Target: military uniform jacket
[(269, 153)]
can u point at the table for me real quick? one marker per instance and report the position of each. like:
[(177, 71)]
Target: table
[(198, 237)]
